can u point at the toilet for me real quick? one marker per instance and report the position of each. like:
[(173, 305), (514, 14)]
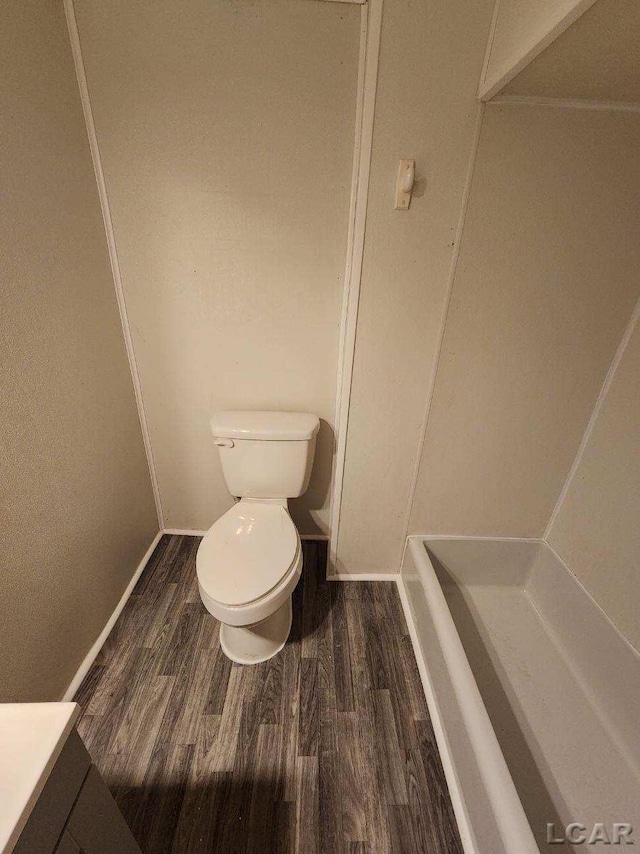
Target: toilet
[(250, 560)]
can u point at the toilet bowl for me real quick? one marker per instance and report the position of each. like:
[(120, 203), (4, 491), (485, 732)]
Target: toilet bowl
[(248, 565), (250, 560)]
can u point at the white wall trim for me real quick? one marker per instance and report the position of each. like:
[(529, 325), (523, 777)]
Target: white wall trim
[(191, 532), (78, 61), (370, 31), (489, 48), (474, 537), (466, 193), (104, 634), (566, 103), (442, 740), (183, 532), (363, 576), (606, 385), (539, 39)]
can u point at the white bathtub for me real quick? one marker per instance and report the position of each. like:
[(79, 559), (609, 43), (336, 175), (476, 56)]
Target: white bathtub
[(534, 695)]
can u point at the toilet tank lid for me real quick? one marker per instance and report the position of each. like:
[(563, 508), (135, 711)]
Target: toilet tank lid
[(265, 426)]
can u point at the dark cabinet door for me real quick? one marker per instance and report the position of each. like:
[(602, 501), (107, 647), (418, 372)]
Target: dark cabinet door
[(96, 824)]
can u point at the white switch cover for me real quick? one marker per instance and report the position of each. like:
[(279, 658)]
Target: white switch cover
[(404, 184)]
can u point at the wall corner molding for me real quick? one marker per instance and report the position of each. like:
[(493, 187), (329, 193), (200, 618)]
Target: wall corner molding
[(78, 61), (565, 103), (370, 34)]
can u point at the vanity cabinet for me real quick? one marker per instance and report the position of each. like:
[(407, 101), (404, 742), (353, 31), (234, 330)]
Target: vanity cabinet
[(75, 812)]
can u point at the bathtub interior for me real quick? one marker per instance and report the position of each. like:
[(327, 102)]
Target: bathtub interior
[(562, 693)]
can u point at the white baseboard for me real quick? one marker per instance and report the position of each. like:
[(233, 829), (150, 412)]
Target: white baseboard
[(104, 634), (190, 532), (363, 576), (183, 532)]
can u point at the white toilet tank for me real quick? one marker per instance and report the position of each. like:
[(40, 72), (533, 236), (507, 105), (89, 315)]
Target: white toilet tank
[(265, 454)]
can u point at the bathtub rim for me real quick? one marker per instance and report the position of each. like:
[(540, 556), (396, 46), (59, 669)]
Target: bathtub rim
[(508, 812)]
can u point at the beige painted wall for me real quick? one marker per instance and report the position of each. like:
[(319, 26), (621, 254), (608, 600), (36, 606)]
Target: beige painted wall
[(597, 528), (430, 61), (77, 507), (226, 133), (545, 284)]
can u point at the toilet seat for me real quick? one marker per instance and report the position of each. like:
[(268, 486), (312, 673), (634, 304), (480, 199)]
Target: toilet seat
[(247, 553)]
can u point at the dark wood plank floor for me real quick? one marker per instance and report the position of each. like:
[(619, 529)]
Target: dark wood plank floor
[(328, 747)]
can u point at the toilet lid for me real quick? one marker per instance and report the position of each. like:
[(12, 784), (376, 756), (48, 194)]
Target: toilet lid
[(246, 552)]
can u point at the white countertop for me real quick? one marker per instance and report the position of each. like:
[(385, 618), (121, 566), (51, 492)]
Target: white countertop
[(31, 738)]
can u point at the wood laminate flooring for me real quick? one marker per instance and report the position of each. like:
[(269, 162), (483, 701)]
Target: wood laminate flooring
[(327, 747)]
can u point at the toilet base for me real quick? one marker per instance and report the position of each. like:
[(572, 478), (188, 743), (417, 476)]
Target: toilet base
[(259, 642)]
